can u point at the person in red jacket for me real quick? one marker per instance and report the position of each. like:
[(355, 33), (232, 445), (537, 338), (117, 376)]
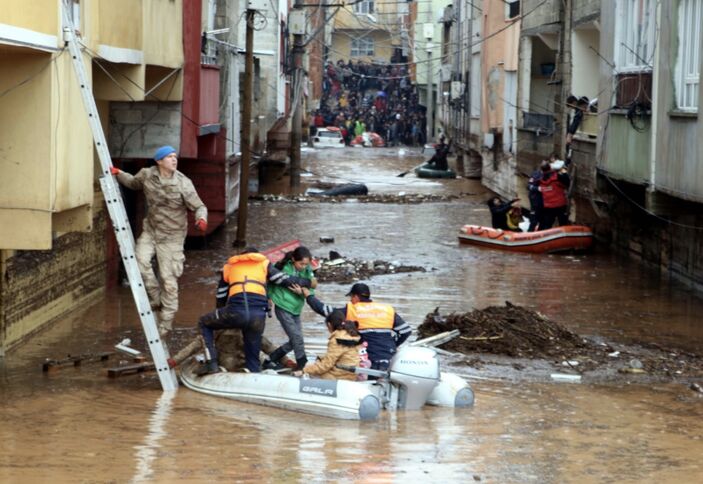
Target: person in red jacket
[(553, 187)]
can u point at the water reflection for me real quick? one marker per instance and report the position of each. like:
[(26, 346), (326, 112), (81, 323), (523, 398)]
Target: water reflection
[(148, 451)]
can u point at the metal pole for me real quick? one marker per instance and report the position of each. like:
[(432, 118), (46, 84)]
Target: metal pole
[(296, 95), (246, 134), (430, 96)]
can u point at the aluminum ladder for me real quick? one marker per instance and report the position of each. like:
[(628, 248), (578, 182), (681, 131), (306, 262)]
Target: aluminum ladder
[(118, 215)]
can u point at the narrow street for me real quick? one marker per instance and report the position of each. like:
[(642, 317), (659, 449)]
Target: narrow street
[(76, 425)]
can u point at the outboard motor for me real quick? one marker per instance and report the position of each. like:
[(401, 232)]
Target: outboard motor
[(415, 372)]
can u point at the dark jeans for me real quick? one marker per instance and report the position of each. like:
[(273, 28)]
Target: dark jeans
[(535, 217), (551, 214), (294, 329), (232, 317)]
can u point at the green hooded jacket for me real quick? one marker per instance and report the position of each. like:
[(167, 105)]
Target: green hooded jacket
[(285, 298)]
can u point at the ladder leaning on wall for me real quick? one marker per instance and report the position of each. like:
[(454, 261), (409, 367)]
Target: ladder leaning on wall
[(118, 214)]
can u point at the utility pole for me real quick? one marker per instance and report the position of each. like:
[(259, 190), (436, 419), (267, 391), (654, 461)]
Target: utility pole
[(565, 71), (429, 33), (246, 132), (297, 98)]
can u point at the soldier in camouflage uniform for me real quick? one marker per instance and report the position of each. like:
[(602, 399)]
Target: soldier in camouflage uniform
[(169, 195)]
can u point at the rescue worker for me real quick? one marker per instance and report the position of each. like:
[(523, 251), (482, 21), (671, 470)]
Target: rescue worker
[(535, 196), (439, 159), (169, 195), (379, 325), (553, 187), (242, 303)]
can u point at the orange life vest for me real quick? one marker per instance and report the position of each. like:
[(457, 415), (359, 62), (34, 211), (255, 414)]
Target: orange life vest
[(371, 315), (246, 273)]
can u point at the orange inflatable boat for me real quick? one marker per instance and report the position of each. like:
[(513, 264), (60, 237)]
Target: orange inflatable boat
[(569, 237)]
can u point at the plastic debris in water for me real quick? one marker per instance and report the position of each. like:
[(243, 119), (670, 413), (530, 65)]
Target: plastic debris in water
[(566, 377)]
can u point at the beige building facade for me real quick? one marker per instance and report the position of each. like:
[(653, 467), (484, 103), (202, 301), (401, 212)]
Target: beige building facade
[(53, 246)]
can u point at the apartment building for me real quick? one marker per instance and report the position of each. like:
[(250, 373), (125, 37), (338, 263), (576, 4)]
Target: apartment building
[(151, 86)]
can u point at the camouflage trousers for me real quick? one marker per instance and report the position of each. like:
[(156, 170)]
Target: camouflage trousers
[(162, 291)]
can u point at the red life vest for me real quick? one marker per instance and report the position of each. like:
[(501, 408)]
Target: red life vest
[(553, 191)]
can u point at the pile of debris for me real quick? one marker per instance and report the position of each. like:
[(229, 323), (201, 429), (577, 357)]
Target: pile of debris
[(400, 198), (518, 332), (344, 271), (508, 330)]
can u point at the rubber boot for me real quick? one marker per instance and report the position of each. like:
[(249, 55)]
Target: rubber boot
[(301, 362), (273, 361)]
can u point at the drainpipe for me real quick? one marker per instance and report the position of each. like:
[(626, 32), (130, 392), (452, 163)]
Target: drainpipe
[(655, 103)]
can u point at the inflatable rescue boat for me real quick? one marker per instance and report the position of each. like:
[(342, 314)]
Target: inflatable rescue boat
[(414, 380), (569, 237), (426, 171)]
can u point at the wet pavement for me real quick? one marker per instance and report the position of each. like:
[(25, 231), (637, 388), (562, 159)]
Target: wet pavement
[(76, 425)]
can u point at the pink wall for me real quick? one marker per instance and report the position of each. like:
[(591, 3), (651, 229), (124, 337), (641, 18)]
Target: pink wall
[(498, 53)]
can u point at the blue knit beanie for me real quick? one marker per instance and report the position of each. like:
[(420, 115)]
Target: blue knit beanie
[(163, 152)]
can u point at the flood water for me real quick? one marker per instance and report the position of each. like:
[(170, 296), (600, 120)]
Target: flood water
[(75, 425)]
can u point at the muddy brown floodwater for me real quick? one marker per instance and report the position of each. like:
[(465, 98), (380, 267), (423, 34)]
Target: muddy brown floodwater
[(75, 425)]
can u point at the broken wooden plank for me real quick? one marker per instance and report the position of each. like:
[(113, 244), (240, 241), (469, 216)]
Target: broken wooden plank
[(76, 360), (480, 338), (437, 339), (444, 352), (126, 370)]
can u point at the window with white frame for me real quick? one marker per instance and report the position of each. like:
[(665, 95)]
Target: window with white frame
[(634, 37), (362, 47), (365, 6), (688, 62)]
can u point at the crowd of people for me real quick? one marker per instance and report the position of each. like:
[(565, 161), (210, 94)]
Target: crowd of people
[(363, 97)]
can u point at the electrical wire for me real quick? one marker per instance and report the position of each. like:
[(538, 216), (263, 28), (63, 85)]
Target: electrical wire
[(30, 78), (644, 209)]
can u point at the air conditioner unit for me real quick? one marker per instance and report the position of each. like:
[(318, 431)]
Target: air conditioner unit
[(457, 89), (260, 5)]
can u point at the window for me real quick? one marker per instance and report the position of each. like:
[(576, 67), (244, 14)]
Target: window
[(634, 48), (361, 47), (365, 6), (688, 62), (512, 9), (475, 86)]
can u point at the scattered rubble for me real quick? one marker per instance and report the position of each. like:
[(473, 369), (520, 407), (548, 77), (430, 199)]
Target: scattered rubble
[(520, 333), (345, 271), (402, 197)]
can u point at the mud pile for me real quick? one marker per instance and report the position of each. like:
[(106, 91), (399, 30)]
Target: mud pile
[(509, 330), (345, 271), (518, 332)]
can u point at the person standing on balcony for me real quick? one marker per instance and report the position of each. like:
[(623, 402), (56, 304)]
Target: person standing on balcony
[(580, 105), (169, 195)]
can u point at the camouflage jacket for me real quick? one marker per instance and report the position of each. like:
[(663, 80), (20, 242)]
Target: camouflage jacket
[(168, 200)]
